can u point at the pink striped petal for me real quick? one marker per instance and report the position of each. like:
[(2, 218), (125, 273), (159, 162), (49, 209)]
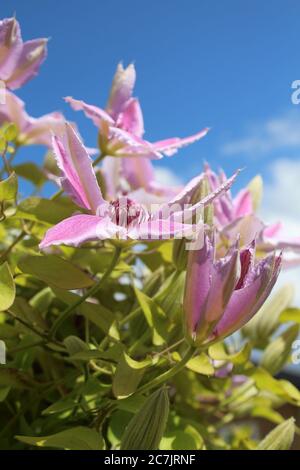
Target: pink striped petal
[(79, 229), (10, 46), (38, 130), (245, 302), (121, 90), (131, 119), (243, 203), (159, 230), (33, 54), (273, 230), (170, 146), (97, 115), (79, 176)]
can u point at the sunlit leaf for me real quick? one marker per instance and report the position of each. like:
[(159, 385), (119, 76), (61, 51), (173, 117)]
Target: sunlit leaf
[(78, 438), (7, 287), (55, 271)]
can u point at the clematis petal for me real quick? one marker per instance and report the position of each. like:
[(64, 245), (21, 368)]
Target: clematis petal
[(243, 203), (13, 110), (245, 302), (38, 130), (97, 115), (121, 90), (33, 54), (247, 228), (209, 286), (159, 230), (131, 118), (10, 46), (130, 145), (79, 177), (170, 146), (187, 214), (273, 229), (79, 229), (139, 172)]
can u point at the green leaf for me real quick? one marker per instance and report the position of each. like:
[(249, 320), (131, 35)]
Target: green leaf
[(10, 132), (75, 345), (9, 188), (60, 406), (31, 172), (170, 295), (278, 351), (128, 375), (281, 388), (182, 439), (290, 314), (146, 428), (45, 210), (96, 313), (78, 438), (265, 322), (201, 365), (256, 190), (42, 300), (218, 352), (10, 377), (55, 271), (7, 287), (280, 438), (155, 317)]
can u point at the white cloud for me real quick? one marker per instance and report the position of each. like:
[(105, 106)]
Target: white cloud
[(279, 133), (281, 203), (166, 176)]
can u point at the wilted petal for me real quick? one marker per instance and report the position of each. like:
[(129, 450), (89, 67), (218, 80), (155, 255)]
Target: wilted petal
[(76, 165), (121, 90), (32, 55), (97, 115), (79, 229)]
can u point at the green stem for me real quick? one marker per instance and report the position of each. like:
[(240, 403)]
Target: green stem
[(69, 310), (99, 159), (6, 252), (165, 376), (5, 162)]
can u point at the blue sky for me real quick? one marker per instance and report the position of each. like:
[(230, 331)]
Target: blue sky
[(224, 64)]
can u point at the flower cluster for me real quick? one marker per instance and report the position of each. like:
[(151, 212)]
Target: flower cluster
[(225, 284), (117, 283)]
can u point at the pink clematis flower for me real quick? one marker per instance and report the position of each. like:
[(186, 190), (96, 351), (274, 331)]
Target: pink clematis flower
[(222, 295), (236, 215), (122, 218), (19, 61), (30, 130), (121, 125), (136, 178)]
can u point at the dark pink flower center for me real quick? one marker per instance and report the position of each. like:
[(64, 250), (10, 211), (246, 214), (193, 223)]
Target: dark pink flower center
[(124, 212)]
